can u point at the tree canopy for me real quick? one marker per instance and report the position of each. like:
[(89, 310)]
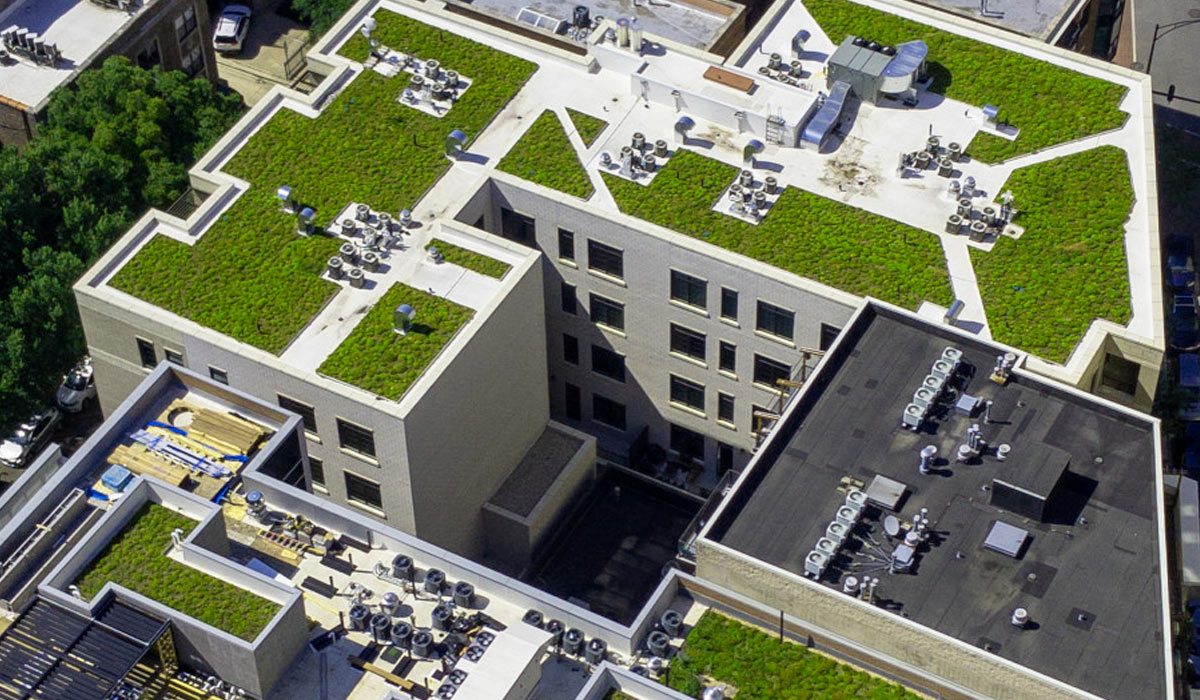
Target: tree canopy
[(115, 142)]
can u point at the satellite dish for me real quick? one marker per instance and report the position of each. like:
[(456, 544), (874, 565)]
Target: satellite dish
[(891, 525)]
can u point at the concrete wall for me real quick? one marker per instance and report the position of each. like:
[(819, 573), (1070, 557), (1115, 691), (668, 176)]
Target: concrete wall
[(607, 677), (650, 253)]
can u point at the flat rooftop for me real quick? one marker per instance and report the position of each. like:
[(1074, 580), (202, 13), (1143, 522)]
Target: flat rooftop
[(1040, 20), (1089, 573), (78, 27), (537, 470)]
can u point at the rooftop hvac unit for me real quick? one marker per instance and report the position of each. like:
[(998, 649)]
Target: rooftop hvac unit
[(456, 141), (827, 545), (573, 641), (837, 532), (848, 515), (434, 579), (856, 498), (752, 148), (287, 197), (304, 221), (934, 383), (815, 563), (799, 41), (356, 277), (924, 397), (595, 651), (682, 126), (914, 415), (942, 370), (659, 644), (402, 319), (672, 623), (464, 594), (952, 355)]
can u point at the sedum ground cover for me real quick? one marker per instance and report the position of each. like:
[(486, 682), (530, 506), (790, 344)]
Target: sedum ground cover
[(250, 276), (134, 559), (806, 234), (1050, 104), (377, 358), (1043, 290), (762, 668), (545, 156), (471, 260), (589, 127)]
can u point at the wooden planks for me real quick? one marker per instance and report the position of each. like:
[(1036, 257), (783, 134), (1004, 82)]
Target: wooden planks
[(729, 79)]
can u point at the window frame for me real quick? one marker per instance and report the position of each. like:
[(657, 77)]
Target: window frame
[(618, 367), (570, 348), (688, 338), (347, 475), (613, 305), (175, 357), (774, 316), (689, 284), (764, 359), (218, 375), (597, 255), (346, 428), (317, 465), (689, 388), (566, 252), (147, 352), (726, 401), (307, 413), (568, 388), (598, 397), (731, 366), (728, 294), (569, 299), (689, 435), (829, 335)]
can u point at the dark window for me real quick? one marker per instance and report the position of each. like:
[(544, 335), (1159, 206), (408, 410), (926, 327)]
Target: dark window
[(185, 24), (365, 491), (173, 356), (356, 438), (687, 392), (690, 290), (192, 61), (566, 244), (828, 335), (572, 397), (569, 304), (725, 408), (146, 352), (606, 259), (729, 299), (517, 227), (218, 374), (688, 443), (607, 312), (724, 458), (728, 361), (774, 320), (767, 371), (149, 56), (608, 363), (608, 412), (570, 348), (687, 342), (1120, 374), (317, 468), (301, 409)]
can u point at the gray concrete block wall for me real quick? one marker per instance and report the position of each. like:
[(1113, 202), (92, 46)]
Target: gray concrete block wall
[(649, 312), (885, 633)]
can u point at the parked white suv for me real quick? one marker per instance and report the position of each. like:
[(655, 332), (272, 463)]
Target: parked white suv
[(232, 27), (78, 387)]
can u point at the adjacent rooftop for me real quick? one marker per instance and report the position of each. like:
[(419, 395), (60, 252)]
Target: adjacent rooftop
[(1063, 526)]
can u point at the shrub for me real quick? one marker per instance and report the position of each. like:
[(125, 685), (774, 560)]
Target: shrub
[(806, 234), (1048, 103), (377, 358), (250, 276), (1043, 290), (544, 155)]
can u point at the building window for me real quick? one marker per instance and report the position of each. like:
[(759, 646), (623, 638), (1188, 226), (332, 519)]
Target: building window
[(728, 360), (725, 408), (517, 227), (768, 371), (150, 56), (570, 348), (729, 303), (301, 409), (775, 321), (687, 393), (608, 412), (185, 24), (317, 469), (1119, 374), (566, 245), (572, 400), (692, 291), (356, 438), (686, 341), (364, 491), (218, 374), (608, 363), (173, 356), (606, 259), (688, 443), (146, 353), (569, 305), (828, 335), (193, 61), (607, 312)]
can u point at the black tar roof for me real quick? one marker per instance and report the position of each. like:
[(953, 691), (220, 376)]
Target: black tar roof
[(1089, 576)]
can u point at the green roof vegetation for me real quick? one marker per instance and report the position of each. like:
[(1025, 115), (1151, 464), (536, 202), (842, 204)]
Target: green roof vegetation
[(377, 358), (762, 668), (806, 234), (615, 694), (545, 156), (136, 559), (589, 127), (1048, 103), (250, 276), (471, 260), (1043, 290)]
